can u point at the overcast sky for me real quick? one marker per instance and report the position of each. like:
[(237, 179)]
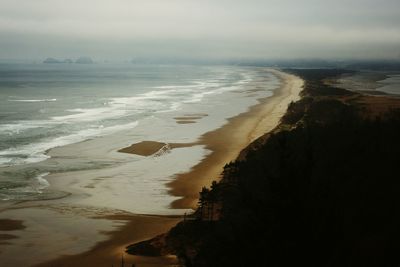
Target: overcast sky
[(264, 29)]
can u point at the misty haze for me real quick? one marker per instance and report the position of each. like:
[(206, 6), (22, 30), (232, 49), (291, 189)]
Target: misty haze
[(200, 29)]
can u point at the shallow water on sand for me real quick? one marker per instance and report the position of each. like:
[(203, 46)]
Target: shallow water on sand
[(71, 167), (61, 127)]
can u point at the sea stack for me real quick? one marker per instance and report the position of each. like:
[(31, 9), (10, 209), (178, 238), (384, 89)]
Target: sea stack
[(84, 60), (51, 60)]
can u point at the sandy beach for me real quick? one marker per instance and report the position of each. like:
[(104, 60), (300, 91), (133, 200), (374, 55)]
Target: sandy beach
[(225, 144), (227, 141)]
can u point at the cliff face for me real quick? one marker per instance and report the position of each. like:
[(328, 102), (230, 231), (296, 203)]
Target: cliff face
[(323, 189)]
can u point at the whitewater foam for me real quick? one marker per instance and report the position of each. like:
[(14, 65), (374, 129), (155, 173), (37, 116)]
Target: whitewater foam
[(40, 182), (92, 114), (33, 100), (20, 126), (36, 152)]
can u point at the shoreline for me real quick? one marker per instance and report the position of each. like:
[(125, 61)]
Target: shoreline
[(271, 197), (224, 146)]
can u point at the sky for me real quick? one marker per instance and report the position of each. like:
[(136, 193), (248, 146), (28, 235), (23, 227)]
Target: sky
[(200, 29)]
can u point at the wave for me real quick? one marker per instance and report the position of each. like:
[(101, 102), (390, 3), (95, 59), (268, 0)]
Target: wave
[(170, 98), (36, 152), (20, 126), (33, 100), (92, 114), (32, 189), (121, 106), (165, 99)]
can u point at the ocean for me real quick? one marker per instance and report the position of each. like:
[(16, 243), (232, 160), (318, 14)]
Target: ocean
[(67, 122), (391, 85)]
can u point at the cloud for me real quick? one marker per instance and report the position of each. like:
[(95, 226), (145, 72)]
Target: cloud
[(252, 28)]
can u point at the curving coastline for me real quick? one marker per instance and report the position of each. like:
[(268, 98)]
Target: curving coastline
[(228, 141), (319, 190), (225, 143)]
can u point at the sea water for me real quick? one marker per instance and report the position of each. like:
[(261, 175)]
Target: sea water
[(68, 121), (391, 85)]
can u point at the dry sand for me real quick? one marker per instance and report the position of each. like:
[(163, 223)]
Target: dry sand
[(7, 225)]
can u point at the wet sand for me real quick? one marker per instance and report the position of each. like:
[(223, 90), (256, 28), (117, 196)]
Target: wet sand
[(11, 225), (109, 253), (225, 145), (7, 225)]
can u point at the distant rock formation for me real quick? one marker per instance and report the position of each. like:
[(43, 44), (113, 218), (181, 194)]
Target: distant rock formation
[(51, 60), (84, 60)]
